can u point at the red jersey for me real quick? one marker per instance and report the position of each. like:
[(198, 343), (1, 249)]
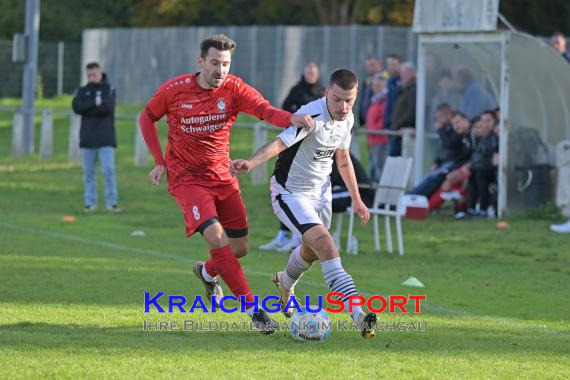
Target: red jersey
[(199, 123)]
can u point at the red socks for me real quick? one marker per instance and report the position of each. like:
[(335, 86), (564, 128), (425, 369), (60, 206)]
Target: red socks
[(211, 267), (229, 269)]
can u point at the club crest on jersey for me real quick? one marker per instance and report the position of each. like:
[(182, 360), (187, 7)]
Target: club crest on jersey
[(221, 105), (323, 154)]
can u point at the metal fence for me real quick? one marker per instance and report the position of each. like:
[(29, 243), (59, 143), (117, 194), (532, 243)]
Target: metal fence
[(59, 69), (141, 152), (270, 58)]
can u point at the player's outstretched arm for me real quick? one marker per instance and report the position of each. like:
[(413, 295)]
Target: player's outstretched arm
[(266, 152), (285, 119), (346, 171), (253, 103)]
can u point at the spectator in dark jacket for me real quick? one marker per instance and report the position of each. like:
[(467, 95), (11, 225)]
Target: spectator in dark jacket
[(482, 166), (393, 62), (404, 112), (450, 141), (461, 145), (95, 102), (373, 68), (306, 90)]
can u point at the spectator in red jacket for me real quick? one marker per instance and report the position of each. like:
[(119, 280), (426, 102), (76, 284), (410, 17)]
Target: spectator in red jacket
[(377, 144)]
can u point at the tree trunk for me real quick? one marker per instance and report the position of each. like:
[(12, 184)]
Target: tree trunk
[(337, 12)]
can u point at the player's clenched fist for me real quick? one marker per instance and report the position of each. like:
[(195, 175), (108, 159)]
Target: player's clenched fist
[(240, 167), (156, 174)]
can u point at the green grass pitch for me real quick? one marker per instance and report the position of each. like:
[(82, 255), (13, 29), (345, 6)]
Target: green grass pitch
[(71, 294)]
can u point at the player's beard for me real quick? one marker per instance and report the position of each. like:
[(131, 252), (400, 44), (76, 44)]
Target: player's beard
[(216, 80), (339, 117)]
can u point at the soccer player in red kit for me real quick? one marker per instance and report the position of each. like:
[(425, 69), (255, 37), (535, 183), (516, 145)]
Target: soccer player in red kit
[(200, 110)]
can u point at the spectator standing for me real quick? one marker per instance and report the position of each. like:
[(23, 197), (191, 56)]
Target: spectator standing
[(474, 98), (373, 67), (446, 93), (377, 144), (306, 90), (393, 62), (404, 112), (95, 102)]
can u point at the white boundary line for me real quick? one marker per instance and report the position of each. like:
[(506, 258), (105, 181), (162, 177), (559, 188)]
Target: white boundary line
[(155, 253)]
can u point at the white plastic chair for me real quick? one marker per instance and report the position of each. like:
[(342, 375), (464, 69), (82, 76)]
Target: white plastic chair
[(389, 194)]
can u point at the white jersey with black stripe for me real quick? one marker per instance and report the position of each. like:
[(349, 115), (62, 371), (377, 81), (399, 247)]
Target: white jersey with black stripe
[(305, 166)]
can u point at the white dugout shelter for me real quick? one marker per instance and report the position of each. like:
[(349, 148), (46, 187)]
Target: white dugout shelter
[(522, 75)]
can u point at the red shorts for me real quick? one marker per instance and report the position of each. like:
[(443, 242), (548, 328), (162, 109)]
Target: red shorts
[(223, 202)]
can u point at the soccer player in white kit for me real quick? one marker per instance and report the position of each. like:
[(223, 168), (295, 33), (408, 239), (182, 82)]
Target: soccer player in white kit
[(301, 190)]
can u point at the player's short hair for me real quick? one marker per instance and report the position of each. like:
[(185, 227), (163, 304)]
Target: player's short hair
[(344, 79), (92, 65), (558, 35), (218, 41)]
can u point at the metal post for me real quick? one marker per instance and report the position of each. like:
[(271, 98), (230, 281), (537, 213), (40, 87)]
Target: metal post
[(354, 147), (253, 55), (408, 150), (30, 70), (141, 150), (408, 142), (380, 42), (278, 67), (420, 115), (60, 50), (74, 128), (352, 47), (46, 141), (18, 134), (410, 43), (259, 174), (503, 129), (326, 50)]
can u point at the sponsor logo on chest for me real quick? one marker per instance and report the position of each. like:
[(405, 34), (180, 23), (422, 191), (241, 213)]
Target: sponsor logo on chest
[(323, 154), (221, 105)]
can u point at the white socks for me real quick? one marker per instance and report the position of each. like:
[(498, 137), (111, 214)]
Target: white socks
[(341, 282), (206, 276), (282, 235), (294, 269)]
